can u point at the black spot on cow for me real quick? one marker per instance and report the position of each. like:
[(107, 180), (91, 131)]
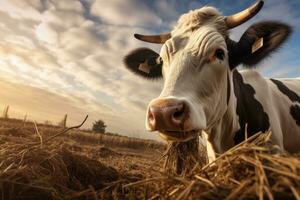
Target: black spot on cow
[(286, 91), (249, 110), (294, 109), (295, 112)]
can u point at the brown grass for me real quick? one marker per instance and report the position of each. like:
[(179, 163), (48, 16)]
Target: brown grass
[(16, 127), (182, 158), (76, 166)]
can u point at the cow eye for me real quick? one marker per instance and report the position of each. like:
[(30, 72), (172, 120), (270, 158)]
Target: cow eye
[(219, 53), (153, 61)]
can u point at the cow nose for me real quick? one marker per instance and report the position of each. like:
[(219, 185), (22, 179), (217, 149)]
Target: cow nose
[(168, 115)]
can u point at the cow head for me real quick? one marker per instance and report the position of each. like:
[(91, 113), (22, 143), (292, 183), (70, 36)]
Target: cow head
[(196, 62)]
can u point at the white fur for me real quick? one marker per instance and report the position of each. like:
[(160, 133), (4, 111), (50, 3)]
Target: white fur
[(195, 19)]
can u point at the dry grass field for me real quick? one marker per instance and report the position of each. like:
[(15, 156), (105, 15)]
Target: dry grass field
[(82, 165)]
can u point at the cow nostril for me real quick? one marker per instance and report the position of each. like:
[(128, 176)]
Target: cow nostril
[(179, 113)]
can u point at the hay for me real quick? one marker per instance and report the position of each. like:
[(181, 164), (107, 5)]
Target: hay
[(253, 170), (105, 152), (32, 171), (183, 157), (49, 173)]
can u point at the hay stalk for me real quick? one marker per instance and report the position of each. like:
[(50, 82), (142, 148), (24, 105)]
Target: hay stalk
[(183, 157)]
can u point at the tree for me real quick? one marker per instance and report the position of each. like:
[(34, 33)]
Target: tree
[(5, 112), (63, 122), (99, 126)]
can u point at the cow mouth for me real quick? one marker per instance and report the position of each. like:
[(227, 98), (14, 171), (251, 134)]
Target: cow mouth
[(179, 136)]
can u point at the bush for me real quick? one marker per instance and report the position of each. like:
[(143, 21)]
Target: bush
[(99, 126)]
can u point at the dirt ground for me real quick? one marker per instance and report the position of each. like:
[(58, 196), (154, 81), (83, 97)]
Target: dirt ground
[(109, 158), (82, 165)]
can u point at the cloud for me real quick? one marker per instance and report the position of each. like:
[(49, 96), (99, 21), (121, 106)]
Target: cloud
[(67, 55), (120, 12), (15, 9)]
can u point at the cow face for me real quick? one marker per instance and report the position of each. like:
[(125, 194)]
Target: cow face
[(195, 63), (194, 70)]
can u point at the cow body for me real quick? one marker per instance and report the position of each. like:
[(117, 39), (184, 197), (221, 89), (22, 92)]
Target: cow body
[(262, 106), (204, 91)]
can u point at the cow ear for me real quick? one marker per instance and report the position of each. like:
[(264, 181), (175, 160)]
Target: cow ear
[(144, 62), (259, 41)]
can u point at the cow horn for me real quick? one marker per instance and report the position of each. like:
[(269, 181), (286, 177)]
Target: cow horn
[(160, 39), (241, 17)]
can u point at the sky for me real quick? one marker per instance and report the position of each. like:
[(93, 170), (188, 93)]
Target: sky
[(65, 56)]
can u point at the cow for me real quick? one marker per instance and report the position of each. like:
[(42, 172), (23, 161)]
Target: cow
[(204, 91)]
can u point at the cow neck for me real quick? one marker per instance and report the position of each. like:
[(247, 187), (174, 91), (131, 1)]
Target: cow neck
[(222, 133), (249, 110)]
